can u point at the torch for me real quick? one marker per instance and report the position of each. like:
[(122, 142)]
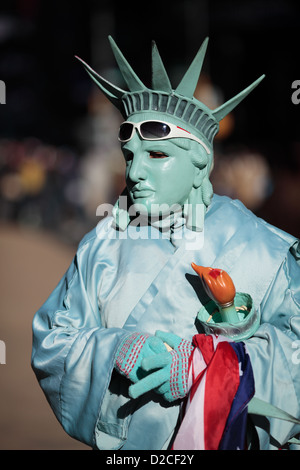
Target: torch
[(220, 288)]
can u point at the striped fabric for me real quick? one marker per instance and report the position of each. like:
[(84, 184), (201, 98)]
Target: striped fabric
[(221, 384)]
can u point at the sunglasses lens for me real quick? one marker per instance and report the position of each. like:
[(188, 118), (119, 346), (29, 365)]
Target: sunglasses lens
[(125, 131), (154, 130)]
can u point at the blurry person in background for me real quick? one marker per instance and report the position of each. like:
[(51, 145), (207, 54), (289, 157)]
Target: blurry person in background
[(114, 343)]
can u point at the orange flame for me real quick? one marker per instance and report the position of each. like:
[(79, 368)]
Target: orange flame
[(217, 284)]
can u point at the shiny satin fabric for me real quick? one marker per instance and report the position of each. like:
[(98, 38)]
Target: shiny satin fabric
[(126, 281)]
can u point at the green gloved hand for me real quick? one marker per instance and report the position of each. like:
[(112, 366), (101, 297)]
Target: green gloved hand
[(169, 376), (131, 352)]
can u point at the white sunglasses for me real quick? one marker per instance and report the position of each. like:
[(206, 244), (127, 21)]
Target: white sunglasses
[(156, 130)]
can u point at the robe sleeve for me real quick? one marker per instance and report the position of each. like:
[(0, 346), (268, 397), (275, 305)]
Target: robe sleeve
[(275, 354), (73, 354)]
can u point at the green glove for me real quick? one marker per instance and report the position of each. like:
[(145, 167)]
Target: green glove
[(132, 350), (171, 378)]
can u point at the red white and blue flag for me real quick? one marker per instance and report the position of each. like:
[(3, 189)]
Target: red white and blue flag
[(221, 384)]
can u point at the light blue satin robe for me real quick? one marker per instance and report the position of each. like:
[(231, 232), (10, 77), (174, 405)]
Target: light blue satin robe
[(139, 284)]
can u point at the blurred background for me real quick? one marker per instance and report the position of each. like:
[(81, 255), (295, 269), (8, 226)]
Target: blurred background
[(60, 158)]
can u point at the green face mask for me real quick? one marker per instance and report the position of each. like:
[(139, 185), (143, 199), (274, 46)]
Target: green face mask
[(157, 173), (160, 174)]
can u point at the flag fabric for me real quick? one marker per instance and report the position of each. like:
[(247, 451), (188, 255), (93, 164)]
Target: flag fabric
[(221, 384)]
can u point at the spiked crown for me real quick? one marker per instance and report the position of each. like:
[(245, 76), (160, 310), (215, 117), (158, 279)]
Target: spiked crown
[(179, 103)]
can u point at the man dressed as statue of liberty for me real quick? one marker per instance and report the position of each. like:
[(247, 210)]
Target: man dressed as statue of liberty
[(118, 347)]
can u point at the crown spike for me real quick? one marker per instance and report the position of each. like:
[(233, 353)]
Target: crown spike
[(189, 82), (107, 87), (132, 80), (112, 92), (160, 79), (227, 107)]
